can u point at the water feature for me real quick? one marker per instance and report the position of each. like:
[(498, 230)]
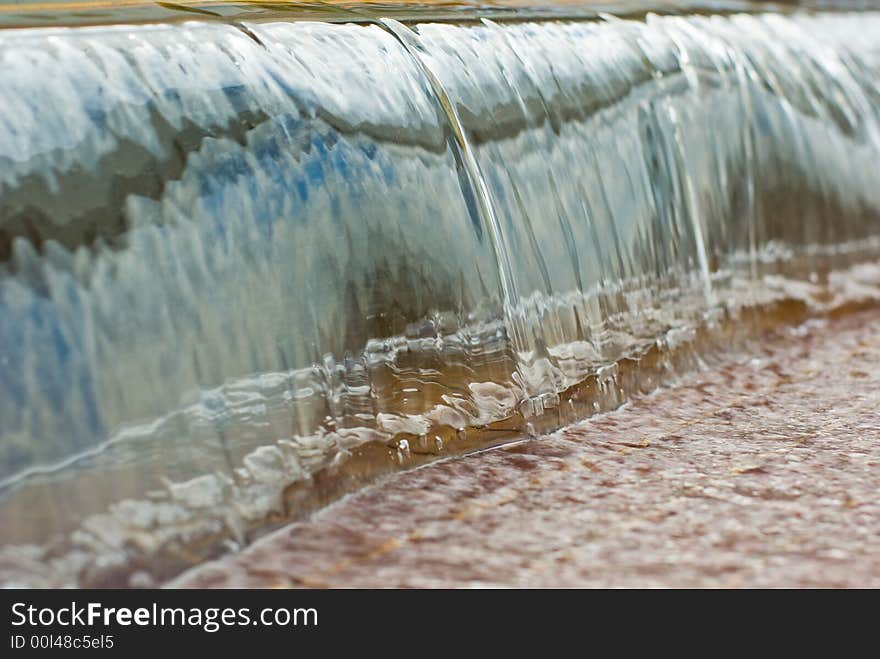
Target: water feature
[(250, 263)]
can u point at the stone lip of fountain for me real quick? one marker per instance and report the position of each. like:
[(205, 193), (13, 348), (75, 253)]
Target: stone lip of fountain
[(70, 13), (249, 265)]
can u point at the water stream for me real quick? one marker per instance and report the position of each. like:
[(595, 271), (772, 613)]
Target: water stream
[(248, 265)]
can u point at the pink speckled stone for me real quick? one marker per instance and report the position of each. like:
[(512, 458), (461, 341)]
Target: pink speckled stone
[(757, 472)]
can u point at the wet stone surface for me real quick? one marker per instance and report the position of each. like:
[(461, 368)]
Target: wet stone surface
[(761, 471)]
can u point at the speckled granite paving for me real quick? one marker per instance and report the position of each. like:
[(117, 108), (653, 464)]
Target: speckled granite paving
[(757, 472)]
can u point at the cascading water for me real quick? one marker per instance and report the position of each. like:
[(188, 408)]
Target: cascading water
[(248, 265)]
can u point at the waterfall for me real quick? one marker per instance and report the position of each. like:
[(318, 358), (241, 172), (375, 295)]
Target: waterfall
[(247, 266)]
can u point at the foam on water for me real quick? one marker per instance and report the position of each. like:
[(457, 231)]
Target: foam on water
[(245, 268)]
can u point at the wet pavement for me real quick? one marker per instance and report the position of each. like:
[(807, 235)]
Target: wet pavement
[(760, 471)]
